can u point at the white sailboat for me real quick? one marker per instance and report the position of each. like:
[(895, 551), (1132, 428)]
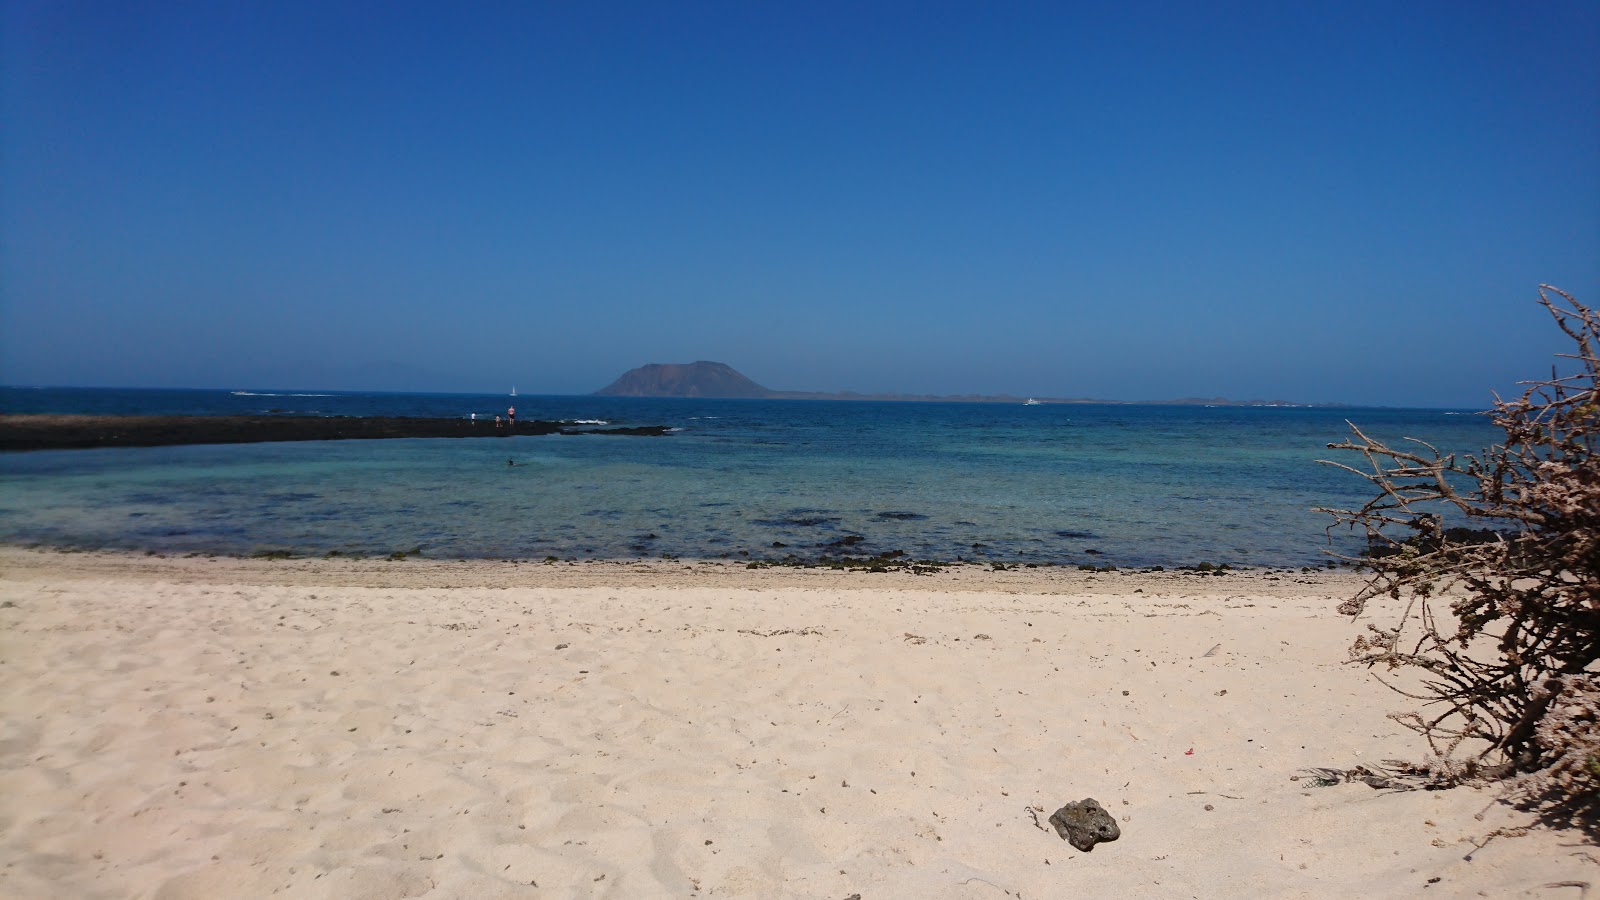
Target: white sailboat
[(1033, 402), (513, 390)]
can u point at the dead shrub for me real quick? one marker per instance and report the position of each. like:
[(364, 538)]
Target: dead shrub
[(1507, 657)]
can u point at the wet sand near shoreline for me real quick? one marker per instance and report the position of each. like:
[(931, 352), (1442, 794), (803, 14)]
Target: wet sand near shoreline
[(374, 728)]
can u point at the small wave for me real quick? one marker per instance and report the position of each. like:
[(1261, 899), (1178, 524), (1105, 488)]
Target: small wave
[(587, 422), (255, 394)]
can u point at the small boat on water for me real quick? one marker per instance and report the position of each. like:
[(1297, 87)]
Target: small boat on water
[(1033, 402), (513, 390)]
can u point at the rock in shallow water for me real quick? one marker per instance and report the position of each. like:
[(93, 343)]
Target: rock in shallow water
[(1085, 823)]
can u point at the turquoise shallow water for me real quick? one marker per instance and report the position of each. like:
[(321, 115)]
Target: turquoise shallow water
[(1107, 484)]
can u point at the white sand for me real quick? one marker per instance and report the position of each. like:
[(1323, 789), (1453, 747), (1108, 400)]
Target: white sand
[(228, 728)]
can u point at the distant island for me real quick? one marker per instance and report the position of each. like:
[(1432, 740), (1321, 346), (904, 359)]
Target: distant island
[(714, 380), (696, 379)]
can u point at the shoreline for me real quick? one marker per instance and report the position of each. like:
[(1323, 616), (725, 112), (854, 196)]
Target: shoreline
[(402, 568), (21, 433), (363, 728)]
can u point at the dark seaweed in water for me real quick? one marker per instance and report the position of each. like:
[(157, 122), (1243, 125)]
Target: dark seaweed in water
[(798, 521), (902, 516), (150, 497), (1431, 544), (1078, 535)]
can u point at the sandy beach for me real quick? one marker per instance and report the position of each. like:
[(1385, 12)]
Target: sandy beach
[(212, 727)]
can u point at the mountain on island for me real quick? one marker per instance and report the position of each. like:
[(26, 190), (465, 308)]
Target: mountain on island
[(696, 379)]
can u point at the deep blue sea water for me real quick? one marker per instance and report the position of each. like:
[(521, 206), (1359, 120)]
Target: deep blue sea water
[(1067, 484)]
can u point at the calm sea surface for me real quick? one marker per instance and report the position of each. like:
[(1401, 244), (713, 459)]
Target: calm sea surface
[(1068, 484)]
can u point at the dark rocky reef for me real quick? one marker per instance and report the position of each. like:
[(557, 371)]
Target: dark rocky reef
[(79, 432), (629, 430)]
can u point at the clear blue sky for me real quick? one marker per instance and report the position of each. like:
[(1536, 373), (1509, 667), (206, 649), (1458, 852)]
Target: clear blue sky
[(1341, 201)]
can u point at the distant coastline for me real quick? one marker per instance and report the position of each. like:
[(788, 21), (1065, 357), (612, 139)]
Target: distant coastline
[(714, 380), (1041, 401)]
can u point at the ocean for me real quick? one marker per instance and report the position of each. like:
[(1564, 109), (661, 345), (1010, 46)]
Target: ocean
[(1078, 484)]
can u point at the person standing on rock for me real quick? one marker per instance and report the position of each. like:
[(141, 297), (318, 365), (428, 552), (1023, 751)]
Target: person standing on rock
[(511, 416)]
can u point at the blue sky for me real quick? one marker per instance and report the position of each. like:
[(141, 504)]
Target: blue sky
[(1319, 202)]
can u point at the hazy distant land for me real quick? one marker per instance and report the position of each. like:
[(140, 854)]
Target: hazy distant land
[(720, 381)]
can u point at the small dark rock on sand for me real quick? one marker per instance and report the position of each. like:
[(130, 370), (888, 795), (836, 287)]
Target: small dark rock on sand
[(1084, 824)]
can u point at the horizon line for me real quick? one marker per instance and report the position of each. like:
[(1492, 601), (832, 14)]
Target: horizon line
[(799, 396)]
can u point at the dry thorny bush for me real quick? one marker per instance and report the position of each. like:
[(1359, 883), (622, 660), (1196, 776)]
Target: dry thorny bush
[(1495, 562)]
